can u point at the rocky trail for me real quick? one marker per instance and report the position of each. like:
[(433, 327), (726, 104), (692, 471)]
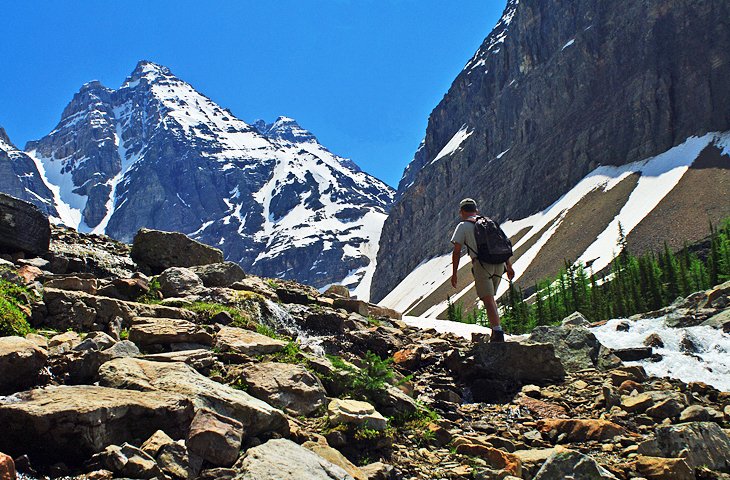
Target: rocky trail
[(160, 360)]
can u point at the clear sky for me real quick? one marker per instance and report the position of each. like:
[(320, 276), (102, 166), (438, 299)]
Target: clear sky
[(362, 75)]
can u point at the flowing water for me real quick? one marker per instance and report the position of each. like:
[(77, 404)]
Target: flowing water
[(710, 363), (281, 320)]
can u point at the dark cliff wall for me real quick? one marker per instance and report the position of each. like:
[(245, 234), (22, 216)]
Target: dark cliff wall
[(563, 87)]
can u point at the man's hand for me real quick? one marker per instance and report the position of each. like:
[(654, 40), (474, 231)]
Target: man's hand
[(453, 280), (510, 271)]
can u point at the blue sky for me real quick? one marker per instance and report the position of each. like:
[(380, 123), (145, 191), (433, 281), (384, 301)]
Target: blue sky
[(361, 75)]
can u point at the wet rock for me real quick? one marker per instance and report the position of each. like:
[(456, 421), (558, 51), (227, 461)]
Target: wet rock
[(356, 413), (21, 362), (580, 430), (156, 251), (658, 468), (689, 344), (165, 331), (219, 274), (256, 285), (81, 420), (623, 326), (699, 443), (285, 460), (522, 363), (576, 346), (286, 386), (633, 354), (654, 340), (23, 227), (178, 378), (246, 342), (721, 321), (572, 464), (215, 438), (179, 282)]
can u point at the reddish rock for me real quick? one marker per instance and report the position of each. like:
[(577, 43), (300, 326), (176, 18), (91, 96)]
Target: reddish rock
[(408, 358), (494, 457), (29, 273), (658, 468), (581, 430), (7, 467), (542, 409)]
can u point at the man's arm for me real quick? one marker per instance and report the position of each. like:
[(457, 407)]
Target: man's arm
[(508, 268), (455, 257)]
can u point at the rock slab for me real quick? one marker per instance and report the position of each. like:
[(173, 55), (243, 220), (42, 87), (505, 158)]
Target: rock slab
[(20, 363), (522, 363), (157, 250), (23, 227)]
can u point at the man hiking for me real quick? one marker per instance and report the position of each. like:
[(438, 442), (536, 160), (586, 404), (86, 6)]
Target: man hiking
[(486, 275)]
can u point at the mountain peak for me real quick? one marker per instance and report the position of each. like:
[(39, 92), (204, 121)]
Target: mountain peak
[(285, 128), (4, 137), (147, 70)]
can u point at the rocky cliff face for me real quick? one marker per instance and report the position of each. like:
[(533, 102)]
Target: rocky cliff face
[(19, 177), (156, 153), (557, 89)]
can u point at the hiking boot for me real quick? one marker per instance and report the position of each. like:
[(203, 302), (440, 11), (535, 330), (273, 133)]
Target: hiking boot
[(497, 336)]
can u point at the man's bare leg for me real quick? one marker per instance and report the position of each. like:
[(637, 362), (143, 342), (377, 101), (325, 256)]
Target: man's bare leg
[(492, 314)]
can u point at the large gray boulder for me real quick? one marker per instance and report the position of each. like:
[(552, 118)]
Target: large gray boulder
[(699, 443), (178, 378), (285, 460), (179, 282), (156, 251), (23, 227), (20, 363), (518, 362), (286, 386), (79, 421), (576, 346), (219, 274), (167, 331)]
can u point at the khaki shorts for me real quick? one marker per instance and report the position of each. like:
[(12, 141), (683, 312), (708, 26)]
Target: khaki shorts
[(487, 277)]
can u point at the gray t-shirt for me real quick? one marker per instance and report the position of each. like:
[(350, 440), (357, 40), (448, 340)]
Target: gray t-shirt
[(464, 236)]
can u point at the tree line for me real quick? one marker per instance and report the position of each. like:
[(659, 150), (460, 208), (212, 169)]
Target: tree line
[(632, 284)]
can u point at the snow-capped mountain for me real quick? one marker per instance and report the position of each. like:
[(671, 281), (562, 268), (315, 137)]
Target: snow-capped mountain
[(558, 89), (20, 178), (156, 153), (678, 190)]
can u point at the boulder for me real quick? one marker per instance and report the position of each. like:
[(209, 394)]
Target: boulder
[(215, 438), (81, 311), (377, 471), (165, 331), (572, 464), (95, 341), (158, 440), (696, 413), (665, 408), (289, 387), (705, 444), (23, 227), (174, 460), (246, 342), (659, 468), (720, 320), (155, 251), (355, 412), (580, 430), (636, 403), (654, 340), (576, 346), (521, 363), (378, 311), (353, 306), (219, 274), (178, 282), (81, 420), (633, 354), (394, 402), (125, 288), (285, 460), (178, 378), (21, 361), (337, 291)]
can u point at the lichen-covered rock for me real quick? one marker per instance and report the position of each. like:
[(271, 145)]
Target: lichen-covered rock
[(179, 282), (219, 274), (576, 346), (572, 464), (704, 443)]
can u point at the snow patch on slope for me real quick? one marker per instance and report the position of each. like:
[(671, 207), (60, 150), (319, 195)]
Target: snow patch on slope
[(68, 204), (454, 144)]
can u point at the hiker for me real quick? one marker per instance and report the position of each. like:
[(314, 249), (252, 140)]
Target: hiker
[(486, 275)]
